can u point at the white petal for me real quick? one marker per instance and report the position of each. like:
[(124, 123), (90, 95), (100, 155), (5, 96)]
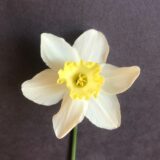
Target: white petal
[(70, 114), (92, 46), (55, 51), (118, 79), (104, 111), (108, 67), (43, 89)]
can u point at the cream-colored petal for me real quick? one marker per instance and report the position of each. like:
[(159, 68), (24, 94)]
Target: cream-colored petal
[(118, 79), (108, 67), (104, 111), (43, 88), (55, 51), (92, 46), (70, 114)]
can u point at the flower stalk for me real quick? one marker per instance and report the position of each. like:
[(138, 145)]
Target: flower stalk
[(74, 143)]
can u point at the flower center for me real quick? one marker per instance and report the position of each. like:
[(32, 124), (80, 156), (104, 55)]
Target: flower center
[(82, 78)]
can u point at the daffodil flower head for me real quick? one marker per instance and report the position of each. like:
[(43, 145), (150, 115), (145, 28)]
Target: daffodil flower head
[(80, 77)]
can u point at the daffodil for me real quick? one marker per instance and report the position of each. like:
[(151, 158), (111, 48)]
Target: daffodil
[(80, 77)]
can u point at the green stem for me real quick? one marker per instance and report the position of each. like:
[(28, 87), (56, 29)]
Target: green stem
[(74, 143)]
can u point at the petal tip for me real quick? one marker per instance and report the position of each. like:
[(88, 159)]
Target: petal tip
[(23, 88), (115, 125), (55, 128), (137, 70), (118, 124), (45, 36), (92, 30)]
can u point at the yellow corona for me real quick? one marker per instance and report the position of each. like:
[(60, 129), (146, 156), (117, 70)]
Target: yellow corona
[(82, 78)]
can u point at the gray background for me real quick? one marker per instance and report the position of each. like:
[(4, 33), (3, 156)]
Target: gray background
[(133, 31)]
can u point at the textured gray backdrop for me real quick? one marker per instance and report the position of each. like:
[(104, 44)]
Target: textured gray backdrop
[(133, 31)]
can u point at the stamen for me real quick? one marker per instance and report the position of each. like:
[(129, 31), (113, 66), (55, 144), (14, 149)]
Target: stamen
[(81, 80)]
